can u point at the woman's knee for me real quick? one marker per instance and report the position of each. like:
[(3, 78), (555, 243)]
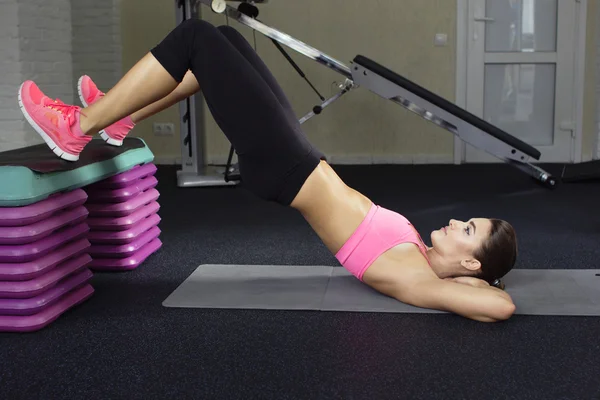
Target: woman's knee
[(238, 41), (232, 34), (226, 29), (198, 26)]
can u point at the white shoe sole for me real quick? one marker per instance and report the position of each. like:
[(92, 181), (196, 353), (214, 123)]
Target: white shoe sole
[(57, 150), (103, 133)]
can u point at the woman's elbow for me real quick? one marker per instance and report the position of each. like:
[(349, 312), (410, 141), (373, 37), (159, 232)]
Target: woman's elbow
[(509, 309), (504, 311)]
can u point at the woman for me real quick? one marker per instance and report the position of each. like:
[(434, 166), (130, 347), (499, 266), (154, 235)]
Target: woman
[(277, 163)]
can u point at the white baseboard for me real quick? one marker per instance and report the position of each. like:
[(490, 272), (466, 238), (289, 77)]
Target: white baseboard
[(366, 159)]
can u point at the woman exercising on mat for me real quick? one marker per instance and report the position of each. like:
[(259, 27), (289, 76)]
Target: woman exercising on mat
[(277, 163)]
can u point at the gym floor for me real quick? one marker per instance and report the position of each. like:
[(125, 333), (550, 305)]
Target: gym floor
[(123, 344)]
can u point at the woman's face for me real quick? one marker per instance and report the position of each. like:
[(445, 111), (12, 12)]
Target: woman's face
[(459, 240)]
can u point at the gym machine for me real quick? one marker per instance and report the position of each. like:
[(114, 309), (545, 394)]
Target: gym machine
[(363, 72), (194, 169)]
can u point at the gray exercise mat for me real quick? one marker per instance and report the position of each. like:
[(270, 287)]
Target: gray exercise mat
[(535, 292)]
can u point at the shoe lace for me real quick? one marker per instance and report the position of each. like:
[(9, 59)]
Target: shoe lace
[(67, 111)]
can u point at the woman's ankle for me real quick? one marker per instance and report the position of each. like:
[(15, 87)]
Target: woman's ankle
[(135, 117), (85, 123)]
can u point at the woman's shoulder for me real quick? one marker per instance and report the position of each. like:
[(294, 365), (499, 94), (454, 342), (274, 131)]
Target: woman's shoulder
[(401, 264)]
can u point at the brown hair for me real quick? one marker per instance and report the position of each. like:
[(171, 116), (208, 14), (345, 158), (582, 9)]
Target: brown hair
[(498, 253)]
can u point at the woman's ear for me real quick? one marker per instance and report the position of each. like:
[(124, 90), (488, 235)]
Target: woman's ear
[(471, 264)]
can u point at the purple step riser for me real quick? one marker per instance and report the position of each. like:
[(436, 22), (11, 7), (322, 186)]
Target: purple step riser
[(32, 323), (124, 251), (27, 215), (123, 223), (36, 286), (122, 209), (37, 304), (36, 268), (129, 263), (34, 251), (125, 179), (97, 237), (39, 230), (123, 194)]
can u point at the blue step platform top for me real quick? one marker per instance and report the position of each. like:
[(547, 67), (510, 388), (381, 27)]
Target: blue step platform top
[(34, 173)]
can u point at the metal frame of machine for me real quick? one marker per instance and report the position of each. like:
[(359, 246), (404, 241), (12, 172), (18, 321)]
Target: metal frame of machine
[(363, 72)]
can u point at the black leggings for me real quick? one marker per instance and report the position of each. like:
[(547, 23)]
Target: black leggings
[(275, 157)]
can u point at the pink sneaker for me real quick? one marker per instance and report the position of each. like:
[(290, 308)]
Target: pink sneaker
[(56, 122), (89, 94)]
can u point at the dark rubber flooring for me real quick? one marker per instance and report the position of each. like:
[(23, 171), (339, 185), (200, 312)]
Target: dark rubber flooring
[(122, 344)]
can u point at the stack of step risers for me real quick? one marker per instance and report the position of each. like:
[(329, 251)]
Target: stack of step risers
[(49, 249), (123, 219), (44, 261)]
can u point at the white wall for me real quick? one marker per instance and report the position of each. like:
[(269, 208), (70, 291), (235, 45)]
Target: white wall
[(10, 65), (45, 52), (45, 42), (96, 41), (55, 41), (52, 42)]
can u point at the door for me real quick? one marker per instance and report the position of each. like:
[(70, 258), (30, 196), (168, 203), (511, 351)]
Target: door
[(520, 72)]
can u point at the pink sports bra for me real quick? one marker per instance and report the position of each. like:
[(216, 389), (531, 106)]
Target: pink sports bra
[(381, 230)]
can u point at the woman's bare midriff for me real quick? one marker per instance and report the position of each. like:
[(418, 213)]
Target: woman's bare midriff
[(332, 209), (335, 211)]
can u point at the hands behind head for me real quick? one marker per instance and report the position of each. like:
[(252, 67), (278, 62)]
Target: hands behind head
[(469, 280), (476, 282)]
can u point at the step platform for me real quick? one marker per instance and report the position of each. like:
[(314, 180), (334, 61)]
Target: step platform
[(33, 269), (36, 250), (37, 286), (31, 323), (39, 212), (101, 237), (45, 249), (34, 233), (127, 263), (32, 174), (124, 219), (125, 250), (32, 300), (123, 223), (119, 195), (123, 208), (37, 304), (125, 180)]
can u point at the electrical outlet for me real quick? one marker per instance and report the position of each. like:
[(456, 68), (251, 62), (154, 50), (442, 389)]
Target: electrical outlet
[(163, 129), (169, 129)]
